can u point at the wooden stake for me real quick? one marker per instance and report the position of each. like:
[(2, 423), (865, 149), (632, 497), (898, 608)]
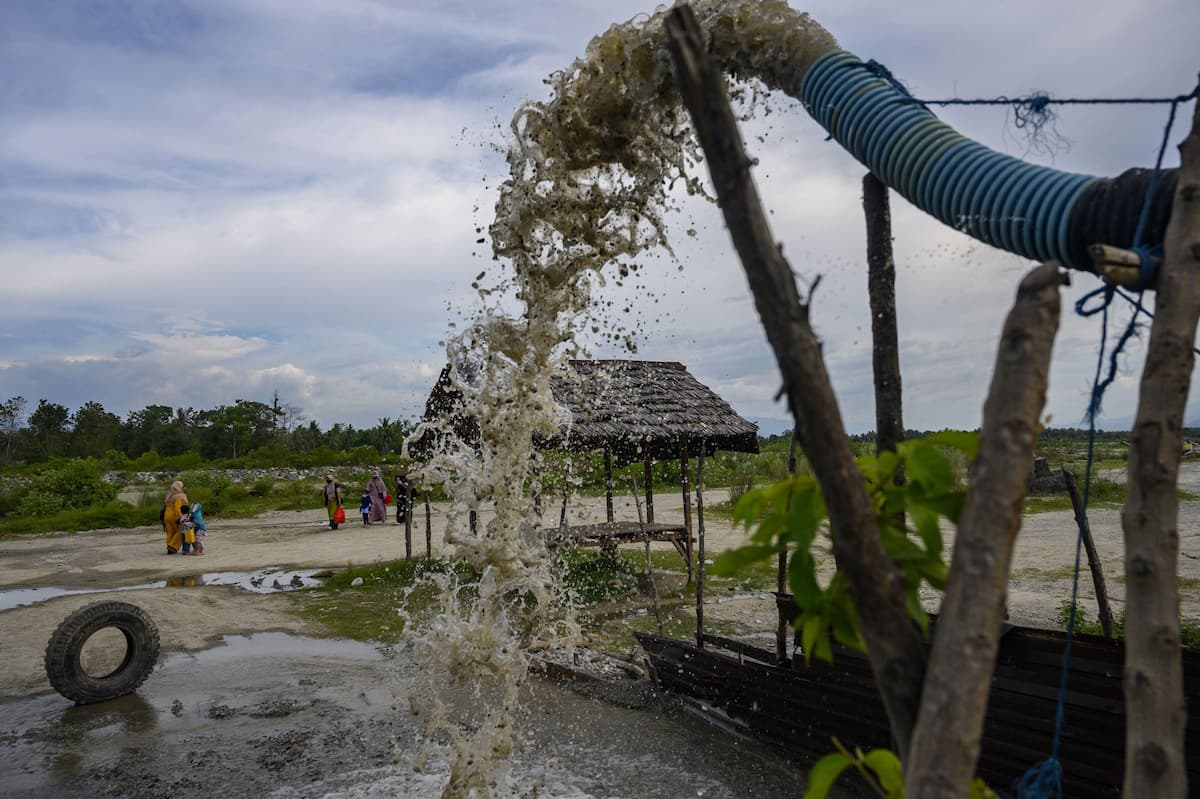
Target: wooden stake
[(1085, 530), (608, 486), (700, 547), (648, 470)]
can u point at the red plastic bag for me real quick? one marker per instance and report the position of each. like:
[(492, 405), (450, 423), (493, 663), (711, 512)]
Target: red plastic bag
[(339, 515), (387, 500)]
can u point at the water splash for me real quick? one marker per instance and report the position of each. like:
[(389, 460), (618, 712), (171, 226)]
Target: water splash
[(593, 172)]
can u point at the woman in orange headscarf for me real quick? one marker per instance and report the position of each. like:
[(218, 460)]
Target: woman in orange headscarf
[(172, 508)]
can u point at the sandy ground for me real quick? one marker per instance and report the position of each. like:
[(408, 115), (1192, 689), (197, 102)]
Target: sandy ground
[(191, 619), (328, 709)]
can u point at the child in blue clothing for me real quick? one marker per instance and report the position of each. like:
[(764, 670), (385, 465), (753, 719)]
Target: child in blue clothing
[(364, 507), (198, 520), (188, 528)]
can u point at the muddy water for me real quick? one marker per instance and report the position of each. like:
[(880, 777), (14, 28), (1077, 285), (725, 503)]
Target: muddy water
[(290, 717)]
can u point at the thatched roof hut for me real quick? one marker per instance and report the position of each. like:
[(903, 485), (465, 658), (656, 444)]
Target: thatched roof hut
[(634, 409)]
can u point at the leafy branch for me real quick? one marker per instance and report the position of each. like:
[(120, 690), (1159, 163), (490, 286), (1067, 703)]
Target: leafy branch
[(789, 515)]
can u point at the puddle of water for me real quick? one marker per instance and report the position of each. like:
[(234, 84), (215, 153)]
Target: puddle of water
[(24, 597), (262, 581)]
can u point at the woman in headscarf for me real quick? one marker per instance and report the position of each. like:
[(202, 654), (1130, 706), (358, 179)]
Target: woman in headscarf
[(333, 499), (172, 505), (377, 490)]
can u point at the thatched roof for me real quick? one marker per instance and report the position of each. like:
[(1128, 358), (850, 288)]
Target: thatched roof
[(637, 409)]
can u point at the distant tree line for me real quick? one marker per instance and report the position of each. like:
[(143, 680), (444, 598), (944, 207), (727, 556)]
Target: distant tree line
[(48, 430)]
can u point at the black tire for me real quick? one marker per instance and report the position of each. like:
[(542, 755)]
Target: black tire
[(66, 644)]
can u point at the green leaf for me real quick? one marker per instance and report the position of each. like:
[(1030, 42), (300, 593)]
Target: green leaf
[(805, 515), (802, 580), (824, 774), (809, 631), (732, 560), (929, 467), (979, 790), (926, 522), (949, 505), (887, 769), (966, 443)]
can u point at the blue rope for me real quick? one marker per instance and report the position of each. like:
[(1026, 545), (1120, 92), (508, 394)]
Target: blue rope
[(1045, 779)]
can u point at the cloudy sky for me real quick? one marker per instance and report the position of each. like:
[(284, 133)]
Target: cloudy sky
[(207, 200)]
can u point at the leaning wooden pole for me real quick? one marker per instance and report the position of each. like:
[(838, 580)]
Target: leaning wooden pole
[(1089, 546), (881, 288), (893, 640), (945, 744), (1156, 711)]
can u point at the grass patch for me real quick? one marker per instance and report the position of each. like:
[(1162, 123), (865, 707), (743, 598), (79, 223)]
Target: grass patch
[(372, 610), (1189, 629)]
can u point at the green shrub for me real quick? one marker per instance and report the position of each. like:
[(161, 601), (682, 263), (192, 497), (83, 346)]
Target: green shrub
[(262, 488), (146, 462), (65, 485), (179, 463)]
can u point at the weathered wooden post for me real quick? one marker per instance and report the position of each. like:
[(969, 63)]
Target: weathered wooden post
[(881, 287), (648, 470), (1154, 698), (408, 514), (428, 524), (1085, 530), (608, 485), (700, 547), (687, 502)]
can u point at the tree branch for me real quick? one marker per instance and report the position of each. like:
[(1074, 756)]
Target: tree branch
[(945, 744), (893, 641), (1154, 701)]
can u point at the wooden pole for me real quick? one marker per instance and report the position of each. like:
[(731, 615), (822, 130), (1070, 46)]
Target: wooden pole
[(944, 746), (648, 470), (1155, 704), (1085, 530), (649, 564), (687, 504), (781, 626), (700, 546), (881, 287), (428, 525), (536, 476), (608, 486), (408, 514)]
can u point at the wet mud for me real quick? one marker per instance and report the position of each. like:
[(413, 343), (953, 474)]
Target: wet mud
[(288, 716)]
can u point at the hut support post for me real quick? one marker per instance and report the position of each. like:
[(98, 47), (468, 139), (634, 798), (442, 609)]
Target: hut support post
[(700, 547), (408, 514), (648, 471), (687, 505), (649, 564), (608, 486), (1085, 530), (781, 629), (428, 525)]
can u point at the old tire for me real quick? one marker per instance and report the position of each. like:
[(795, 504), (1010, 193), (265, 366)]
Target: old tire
[(63, 652)]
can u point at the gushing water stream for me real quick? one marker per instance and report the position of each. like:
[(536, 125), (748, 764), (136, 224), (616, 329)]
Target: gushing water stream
[(590, 176)]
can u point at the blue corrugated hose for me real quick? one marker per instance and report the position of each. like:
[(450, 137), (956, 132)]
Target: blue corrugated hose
[(993, 197)]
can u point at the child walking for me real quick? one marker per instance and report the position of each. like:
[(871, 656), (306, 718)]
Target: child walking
[(188, 528), (364, 507)]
